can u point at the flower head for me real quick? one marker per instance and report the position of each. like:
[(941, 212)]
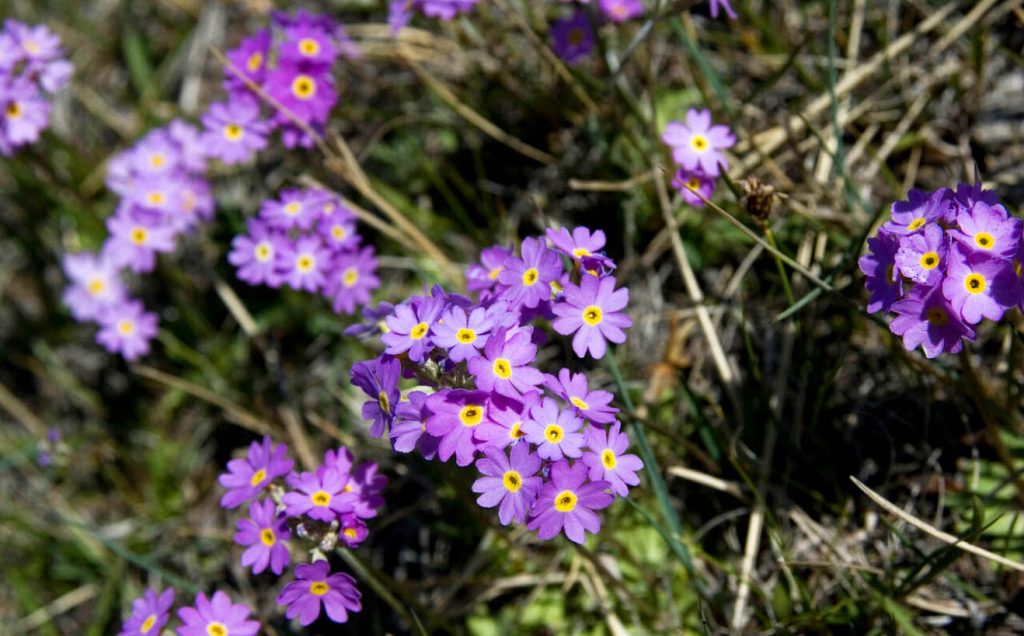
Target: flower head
[(590, 405), (321, 495), (126, 328), (509, 481), (504, 366), (698, 143), (409, 327), (455, 415), (979, 286), (235, 130), (922, 255), (572, 38), (988, 229), (264, 533), (314, 588), (528, 279), (378, 379), (351, 279), (606, 458), (484, 275), (920, 209), (691, 183), (879, 265), (95, 284), (149, 614), (555, 432), (245, 478), (567, 503), (592, 311), (216, 617), (255, 254), (409, 432), (924, 318)]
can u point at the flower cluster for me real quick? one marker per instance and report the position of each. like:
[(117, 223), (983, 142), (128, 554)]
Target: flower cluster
[(697, 147), (307, 239), (549, 449), (209, 615), (32, 68), (164, 192), (321, 508), (400, 11), (943, 262)]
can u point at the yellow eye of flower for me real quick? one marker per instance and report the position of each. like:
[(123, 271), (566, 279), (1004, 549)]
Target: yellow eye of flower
[(929, 260), (608, 459), (126, 327), (516, 432), (531, 276), (319, 588), (305, 263), (321, 498), (580, 404), (13, 110), (233, 132), (984, 240), (419, 331), (139, 236), (494, 273), (157, 160), (465, 336), (382, 400), (254, 62), (309, 47), (148, 624), (96, 286), (293, 208), (216, 629), (699, 143), (304, 87), (693, 184), (512, 480), (915, 224), (592, 315), (264, 252), (580, 252), (502, 368), (565, 501), (975, 283), (258, 477), (554, 433), (267, 537), (471, 415), (350, 277), (350, 533)]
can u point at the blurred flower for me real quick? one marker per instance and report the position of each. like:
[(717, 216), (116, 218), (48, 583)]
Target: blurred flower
[(690, 183), (126, 328), (149, 614), (235, 130), (572, 38)]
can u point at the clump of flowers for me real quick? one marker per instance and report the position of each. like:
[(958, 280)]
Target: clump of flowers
[(209, 615), (698, 146), (400, 11), (548, 448), (32, 69), (943, 262), (307, 240), (293, 512)]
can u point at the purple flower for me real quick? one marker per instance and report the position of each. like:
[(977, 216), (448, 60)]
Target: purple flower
[(925, 318), (879, 265), (410, 428), (606, 460), (698, 144), (264, 532), (409, 327), (292, 209), (922, 255), (591, 405), (622, 10), (255, 254), (314, 585), (690, 183), (979, 286), (378, 378), (554, 431), (352, 277), (919, 209), (528, 279), (572, 38), (149, 614), (461, 334), (245, 478), (306, 94), (367, 484), (506, 425), (504, 366), (320, 495), (136, 237), (338, 232), (578, 245), (485, 274), (250, 59), (126, 328), (235, 130), (567, 503), (373, 321), (352, 531), (724, 5), (95, 284), (301, 264), (508, 481), (25, 113), (592, 312), (455, 413), (220, 616), (307, 45), (987, 229)]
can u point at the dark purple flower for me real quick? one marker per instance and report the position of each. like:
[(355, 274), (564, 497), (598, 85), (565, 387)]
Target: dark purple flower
[(264, 532), (591, 405), (378, 379), (149, 614), (607, 459), (690, 183), (925, 318), (245, 478), (410, 428), (922, 255), (508, 481), (455, 413), (567, 503), (554, 431), (979, 286), (572, 38), (250, 60), (314, 586), (592, 311), (879, 265), (216, 617), (126, 328)]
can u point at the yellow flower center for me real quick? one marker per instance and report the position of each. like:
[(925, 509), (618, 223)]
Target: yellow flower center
[(494, 273), (565, 501), (139, 235), (984, 240), (293, 208), (580, 404), (233, 132), (512, 480), (530, 277), (502, 368), (321, 498), (304, 87), (382, 400), (216, 629), (264, 252), (465, 336), (592, 315), (157, 160), (975, 283), (267, 537), (258, 477), (576, 36), (580, 252), (319, 588), (96, 286), (350, 277), (148, 624), (516, 431), (156, 199), (309, 47), (608, 459), (30, 46), (929, 260), (471, 415), (350, 533), (554, 433), (126, 327), (13, 110), (254, 62), (418, 331), (915, 224), (338, 232), (693, 184), (937, 316), (699, 143), (305, 263)]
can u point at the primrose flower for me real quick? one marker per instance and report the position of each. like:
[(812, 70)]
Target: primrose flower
[(607, 459), (247, 477), (567, 503), (352, 278), (528, 279), (455, 415), (314, 588), (136, 237), (592, 311), (292, 209), (987, 229), (555, 432), (320, 495), (216, 616), (149, 614), (263, 532), (572, 38), (307, 45), (920, 209), (409, 432), (926, 319), (378, 379), (699, 144), (508, 481), (979, 286), (409, 328), (95, 285), (126, 328), (507, 417), (590, 405), (484, 275), (235, 130), (622, 10), (504, 367), (922, 255), (462, 334), (24, 113), (879, 265), (690, 183), (255, 254), (306, 94), (302, 264), (249, 60), (578, 245), (722, 5)]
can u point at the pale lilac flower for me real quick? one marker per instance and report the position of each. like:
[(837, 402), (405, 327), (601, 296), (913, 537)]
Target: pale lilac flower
[(567, 503), (926, 319), (508, 481), (235, 130), (699, 144), (126, 328), (979, 286), (590, 405), (607, 459), (555, 432), (592, 311), (302, 264)]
